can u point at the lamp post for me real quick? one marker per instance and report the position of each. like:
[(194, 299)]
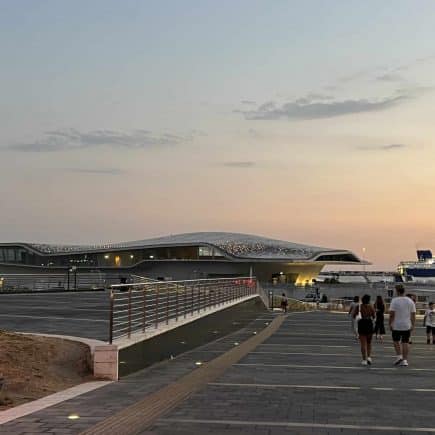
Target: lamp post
[(364, 262)]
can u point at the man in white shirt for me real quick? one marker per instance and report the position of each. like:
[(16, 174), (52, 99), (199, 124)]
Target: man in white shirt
[(402, 322)]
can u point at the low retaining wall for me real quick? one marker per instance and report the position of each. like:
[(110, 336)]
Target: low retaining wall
[(188, 336)]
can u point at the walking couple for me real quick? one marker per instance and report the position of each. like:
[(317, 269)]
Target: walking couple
[(401, 322)]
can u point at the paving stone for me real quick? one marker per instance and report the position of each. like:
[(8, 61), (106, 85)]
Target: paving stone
[(106, 401)]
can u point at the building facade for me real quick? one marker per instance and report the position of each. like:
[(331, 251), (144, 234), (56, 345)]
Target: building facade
[(182, 256)]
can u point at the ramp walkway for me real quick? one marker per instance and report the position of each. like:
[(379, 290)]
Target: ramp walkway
[(295, 374)]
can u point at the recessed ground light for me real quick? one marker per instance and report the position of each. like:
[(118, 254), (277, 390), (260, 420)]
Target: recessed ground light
[(215, 332), (182, 342), (198, 363), (73, 416), (266, 323), (255, 332), (236, 343), (122, 362)]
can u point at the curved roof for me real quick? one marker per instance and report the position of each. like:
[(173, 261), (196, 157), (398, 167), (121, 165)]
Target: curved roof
[(243, 246)]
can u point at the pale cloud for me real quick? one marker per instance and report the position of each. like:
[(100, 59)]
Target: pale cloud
[(389, 147), (387, 73), (305, 108), (95, 171), (239, 164), (72, 139), (390, 77)]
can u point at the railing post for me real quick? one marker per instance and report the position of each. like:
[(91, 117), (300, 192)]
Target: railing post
[(176, 303), (185, 301), (156, 309), (222, 294), (167, 304), (192, 299), (112, 297), (199, 298), (144, 303), (129, 313)]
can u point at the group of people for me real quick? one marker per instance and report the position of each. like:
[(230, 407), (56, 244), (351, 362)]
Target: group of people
[(367, 319)]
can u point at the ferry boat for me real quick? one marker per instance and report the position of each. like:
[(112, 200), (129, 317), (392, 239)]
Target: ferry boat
[(422, 270)]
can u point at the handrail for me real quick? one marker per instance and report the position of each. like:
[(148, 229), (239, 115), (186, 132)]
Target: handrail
[(183, 281), (139, 307)]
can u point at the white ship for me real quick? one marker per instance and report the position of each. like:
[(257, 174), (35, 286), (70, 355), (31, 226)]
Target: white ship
[(422, 270)]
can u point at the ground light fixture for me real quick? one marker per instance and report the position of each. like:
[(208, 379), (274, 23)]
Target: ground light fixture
[(73, 417), (198, 363)]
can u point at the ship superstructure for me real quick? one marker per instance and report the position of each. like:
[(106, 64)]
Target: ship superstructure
[(421, 270)]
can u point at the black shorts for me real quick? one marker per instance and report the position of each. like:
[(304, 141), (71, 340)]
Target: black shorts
[(430, 329), (402, 336), (365, 327)]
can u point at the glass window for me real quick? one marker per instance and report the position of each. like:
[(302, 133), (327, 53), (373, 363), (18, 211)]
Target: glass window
[(205, 251), (10, 255), (217, 253)]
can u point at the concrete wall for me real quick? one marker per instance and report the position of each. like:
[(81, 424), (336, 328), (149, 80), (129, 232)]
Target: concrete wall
[(188, 336)]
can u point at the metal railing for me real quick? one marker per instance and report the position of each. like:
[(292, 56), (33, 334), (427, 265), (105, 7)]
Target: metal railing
[(64, 281), (139, 307)]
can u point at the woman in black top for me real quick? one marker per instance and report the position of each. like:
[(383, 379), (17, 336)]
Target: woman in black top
[(365, 328), (379, 324)]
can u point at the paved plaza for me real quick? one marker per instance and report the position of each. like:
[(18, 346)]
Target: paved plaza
[(305, 378), (81, 314)]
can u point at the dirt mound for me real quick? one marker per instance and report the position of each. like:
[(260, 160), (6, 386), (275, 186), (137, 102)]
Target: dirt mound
[(33, 367)]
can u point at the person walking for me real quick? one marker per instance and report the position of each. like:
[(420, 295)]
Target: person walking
[(429, 322), (365, 329), (284, 303), (401, 322), (353, 312), (379, 323)]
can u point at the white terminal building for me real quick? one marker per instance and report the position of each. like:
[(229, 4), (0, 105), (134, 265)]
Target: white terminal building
[(181, 256)]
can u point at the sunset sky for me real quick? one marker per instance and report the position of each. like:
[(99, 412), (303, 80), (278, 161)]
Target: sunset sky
[(305, 121)]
